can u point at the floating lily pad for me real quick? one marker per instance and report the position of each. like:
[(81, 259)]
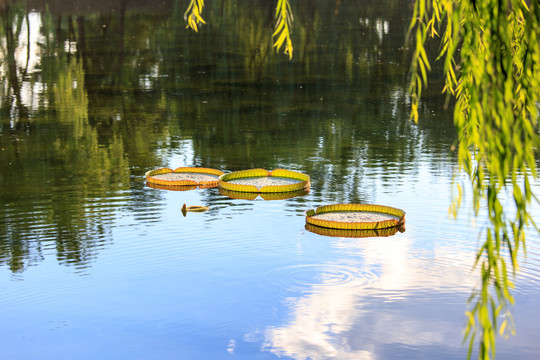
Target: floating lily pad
[(264, 181), (356, 217), (353, 233), (184, 176), (172, 187), (265, 196)]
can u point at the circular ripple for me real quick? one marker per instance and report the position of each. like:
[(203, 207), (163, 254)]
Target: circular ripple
[(314, 276)]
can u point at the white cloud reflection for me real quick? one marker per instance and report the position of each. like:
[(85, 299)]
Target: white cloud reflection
[(354, 321)]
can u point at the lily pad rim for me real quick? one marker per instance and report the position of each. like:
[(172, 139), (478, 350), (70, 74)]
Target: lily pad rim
[(303, 184), (352, 233), (356, 225), (183, 169)]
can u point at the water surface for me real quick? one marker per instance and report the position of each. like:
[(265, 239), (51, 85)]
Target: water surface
[(96, 264)]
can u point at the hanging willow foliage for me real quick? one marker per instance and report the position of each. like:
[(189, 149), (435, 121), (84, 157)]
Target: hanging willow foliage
[(284, 20), (193, 14), (491, 55), (282, 34)]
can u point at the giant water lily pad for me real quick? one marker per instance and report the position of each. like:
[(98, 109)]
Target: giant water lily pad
[(183, 176), (264, 181), (172, 187), (356, 217), (265, 196), (353, 233)]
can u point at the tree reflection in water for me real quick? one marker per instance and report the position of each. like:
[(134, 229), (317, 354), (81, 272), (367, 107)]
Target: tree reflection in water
[(96, 93)]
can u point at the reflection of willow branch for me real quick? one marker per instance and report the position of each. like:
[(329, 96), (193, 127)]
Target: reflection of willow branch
[(119, 66), (75, 234), (260, 52), (81, 43), (17, 254), (11, 45), (309, 33), (337, 7), (27, 46), (71, 30)]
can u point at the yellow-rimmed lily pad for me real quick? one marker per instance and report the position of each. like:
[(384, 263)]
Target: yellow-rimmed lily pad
[(353, 233), (166, 178), (265, 196), (356, 217), (264, 181), (171, 187)]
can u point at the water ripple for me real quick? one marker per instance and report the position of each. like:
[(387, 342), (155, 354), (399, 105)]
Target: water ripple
[(310, 277)]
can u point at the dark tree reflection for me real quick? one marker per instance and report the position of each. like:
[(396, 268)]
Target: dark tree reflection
[(95, 93)]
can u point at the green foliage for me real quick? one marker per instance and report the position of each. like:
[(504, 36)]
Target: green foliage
[(282, 34), (491, 55), (284, 20), (193, 14)]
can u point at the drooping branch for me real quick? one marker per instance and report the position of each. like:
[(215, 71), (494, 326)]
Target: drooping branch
[(193, 14), (282, 33), (492, 69)]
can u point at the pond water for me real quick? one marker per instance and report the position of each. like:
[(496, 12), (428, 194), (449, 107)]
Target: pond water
[(95, 264)]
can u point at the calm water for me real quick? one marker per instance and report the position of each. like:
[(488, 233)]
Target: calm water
[(94, 264)]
